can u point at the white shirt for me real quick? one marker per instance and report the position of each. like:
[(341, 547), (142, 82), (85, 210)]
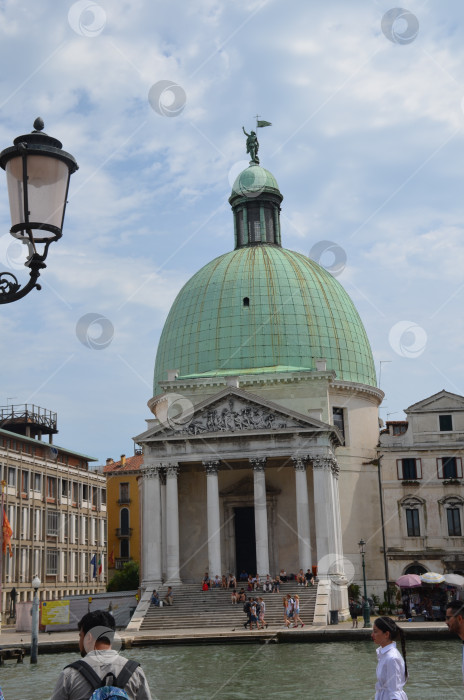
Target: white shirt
[(390, 674)]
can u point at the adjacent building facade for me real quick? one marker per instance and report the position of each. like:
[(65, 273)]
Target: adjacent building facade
[(423, 488), (56, 508), (123, 511)]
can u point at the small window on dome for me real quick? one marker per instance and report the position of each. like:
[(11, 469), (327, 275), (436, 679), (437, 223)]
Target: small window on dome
[(246, 301)]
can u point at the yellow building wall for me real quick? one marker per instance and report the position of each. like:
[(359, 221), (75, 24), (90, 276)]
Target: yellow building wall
[(115, 507)]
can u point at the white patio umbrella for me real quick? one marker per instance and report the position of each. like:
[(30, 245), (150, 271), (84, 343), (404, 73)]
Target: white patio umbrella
[(455, 580), (432, 577)]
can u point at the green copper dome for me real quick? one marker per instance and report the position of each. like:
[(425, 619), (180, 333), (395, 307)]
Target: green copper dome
[(254, 180), (263, 308)]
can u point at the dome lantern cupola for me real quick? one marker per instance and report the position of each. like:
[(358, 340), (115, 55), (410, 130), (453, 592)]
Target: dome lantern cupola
[(255, 202)]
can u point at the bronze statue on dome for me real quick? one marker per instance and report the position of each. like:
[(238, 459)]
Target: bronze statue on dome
[(252, 145)]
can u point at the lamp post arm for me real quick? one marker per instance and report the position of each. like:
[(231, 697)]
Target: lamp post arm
[(10, 288)]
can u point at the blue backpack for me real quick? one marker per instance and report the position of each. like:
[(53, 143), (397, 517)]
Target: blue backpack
[(109, 686)]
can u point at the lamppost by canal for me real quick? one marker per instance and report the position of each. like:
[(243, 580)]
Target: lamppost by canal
[(37, 173), (35, 619), (366, 608)]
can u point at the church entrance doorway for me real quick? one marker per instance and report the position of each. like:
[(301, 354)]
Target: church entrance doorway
[(245, 541)]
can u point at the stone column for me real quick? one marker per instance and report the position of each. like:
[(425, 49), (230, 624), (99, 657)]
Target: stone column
[(302, 513), (172, 524), (328, 532), (213, 517), (262, 546), (339, 580), (323, 508), (164, 552), (151, 526)]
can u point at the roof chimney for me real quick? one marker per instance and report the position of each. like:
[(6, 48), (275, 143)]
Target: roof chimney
[(321, 364), (109, 460), (123, 460)]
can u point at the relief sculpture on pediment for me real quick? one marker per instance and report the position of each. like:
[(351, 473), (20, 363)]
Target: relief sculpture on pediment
[(232, 418)]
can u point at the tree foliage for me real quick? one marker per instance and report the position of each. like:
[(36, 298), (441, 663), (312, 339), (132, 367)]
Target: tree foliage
[(127, 579)]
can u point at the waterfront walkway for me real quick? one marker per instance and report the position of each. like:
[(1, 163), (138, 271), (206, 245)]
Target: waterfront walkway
[(55, 642)]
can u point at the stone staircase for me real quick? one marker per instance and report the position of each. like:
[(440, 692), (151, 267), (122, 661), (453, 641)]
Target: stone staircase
[(213, 609)]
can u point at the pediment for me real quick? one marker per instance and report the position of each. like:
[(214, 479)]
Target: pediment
[(441, 401), (232, 411)]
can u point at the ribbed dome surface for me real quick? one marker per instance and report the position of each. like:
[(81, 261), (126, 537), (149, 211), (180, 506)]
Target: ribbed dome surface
[(263, 307)]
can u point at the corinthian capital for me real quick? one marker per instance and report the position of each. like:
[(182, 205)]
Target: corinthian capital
[(299, 463), (150, 470), (212, 466), (258, 463), (172, 471), (322, 462)]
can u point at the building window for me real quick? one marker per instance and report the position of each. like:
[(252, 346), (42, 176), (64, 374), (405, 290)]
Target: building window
[(124, 549), (11, 476), (52, 562), (454, 522), (124, 492), (103, 497), (446, 423), (52, 522), (409, 468), (51, 487), (338, 419), (85, 492), (413, 510), (412, 522), (94, 496), (24, 482), (417, 569), (449, 468), (64, 488), (124, 521), (38, 482)]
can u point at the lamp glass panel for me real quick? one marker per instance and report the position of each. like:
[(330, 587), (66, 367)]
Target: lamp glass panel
[(47, 187)]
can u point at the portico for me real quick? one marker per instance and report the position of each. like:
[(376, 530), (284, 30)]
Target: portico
[(239, 450)]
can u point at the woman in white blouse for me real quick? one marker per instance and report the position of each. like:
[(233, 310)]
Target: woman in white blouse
[(392, 670)]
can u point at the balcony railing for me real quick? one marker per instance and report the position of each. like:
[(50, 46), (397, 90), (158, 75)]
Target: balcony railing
[(124, 501), (123, 532), (120, 561)]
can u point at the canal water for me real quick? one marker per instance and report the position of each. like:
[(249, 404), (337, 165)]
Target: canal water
[(337, 670)]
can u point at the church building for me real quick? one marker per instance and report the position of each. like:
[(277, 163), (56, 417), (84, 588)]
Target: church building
[(261, 452)]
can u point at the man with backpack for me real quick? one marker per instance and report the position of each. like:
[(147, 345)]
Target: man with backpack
[(104, 674)]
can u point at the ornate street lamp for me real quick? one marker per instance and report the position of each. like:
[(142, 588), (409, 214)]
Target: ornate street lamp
[(37, 173), (366, 608), (35, 619)]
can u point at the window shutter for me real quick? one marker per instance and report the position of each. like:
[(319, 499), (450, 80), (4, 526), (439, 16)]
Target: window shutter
[(419, 468), (440, 467), (459, 467), (399, 466)]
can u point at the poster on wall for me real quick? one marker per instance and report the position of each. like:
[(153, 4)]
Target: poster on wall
[(55, 612)]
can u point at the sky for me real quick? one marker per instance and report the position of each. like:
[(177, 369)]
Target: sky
[(367, 144)]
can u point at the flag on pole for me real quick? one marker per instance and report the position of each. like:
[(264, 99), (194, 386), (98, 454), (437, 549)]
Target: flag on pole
[(93, 563), (7, 534), (258, 124), (100, 567), (111, 559)]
